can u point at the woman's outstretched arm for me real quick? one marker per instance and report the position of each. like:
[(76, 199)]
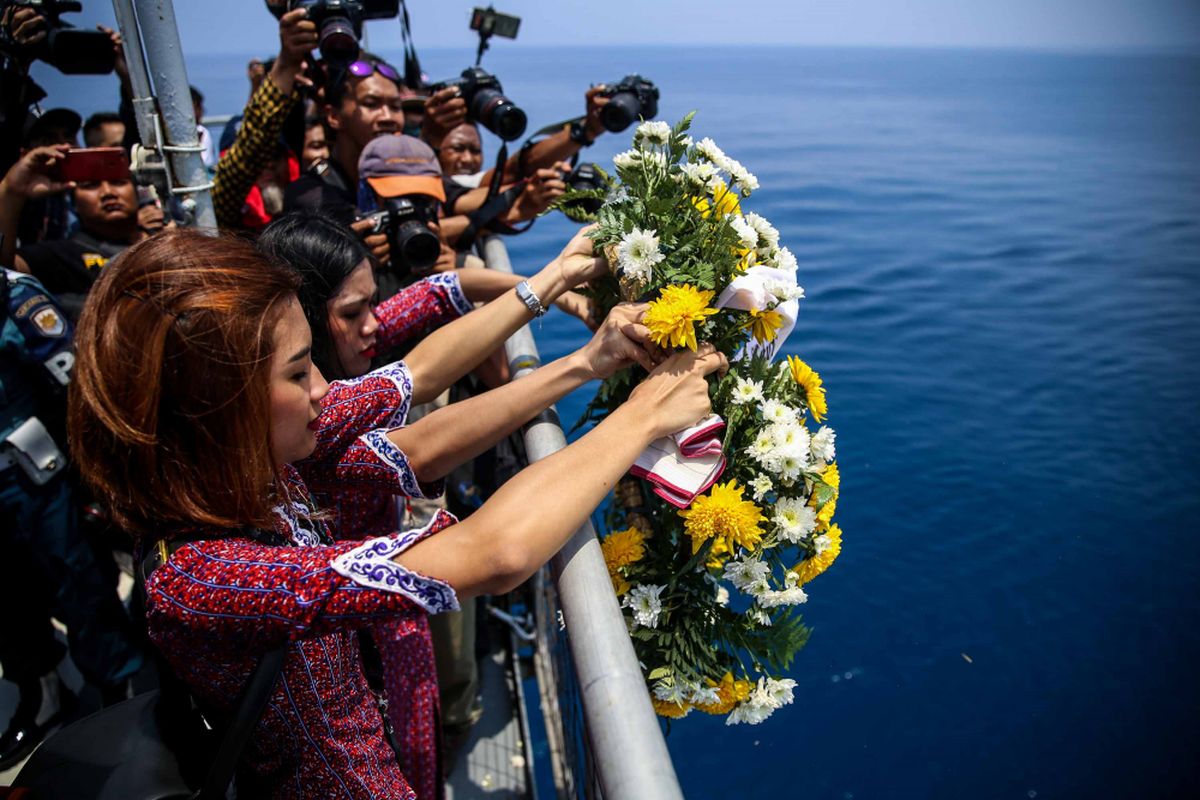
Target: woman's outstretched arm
[(455, 349), (453, 435), (536, 512)]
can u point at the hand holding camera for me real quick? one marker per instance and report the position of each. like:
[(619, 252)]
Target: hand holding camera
[(374, 236), (36, 175), (32, 29), (445, 110), (486, 104)]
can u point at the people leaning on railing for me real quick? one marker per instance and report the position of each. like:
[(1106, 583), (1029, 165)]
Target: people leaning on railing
[(198, 414), (335, 293)]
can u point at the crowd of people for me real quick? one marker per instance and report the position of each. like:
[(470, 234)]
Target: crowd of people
[(167, 391)]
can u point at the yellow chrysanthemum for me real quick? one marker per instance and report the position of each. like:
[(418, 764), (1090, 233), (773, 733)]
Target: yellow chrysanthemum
[(725, 200), (807, 377), (725, 517), (747, 259), (673, 316), (620, 550), (623, 548), (764, 325), (833, 478), (811, 567), (665, 708), (730, 693)]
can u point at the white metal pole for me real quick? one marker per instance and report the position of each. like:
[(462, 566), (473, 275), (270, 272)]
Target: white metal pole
[(164, 58), (630, 754), (143, 95)]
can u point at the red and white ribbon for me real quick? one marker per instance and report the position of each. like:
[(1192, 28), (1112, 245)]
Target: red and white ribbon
[(684, 464)]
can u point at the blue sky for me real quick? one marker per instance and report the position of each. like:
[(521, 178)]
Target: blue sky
[(243, 26)]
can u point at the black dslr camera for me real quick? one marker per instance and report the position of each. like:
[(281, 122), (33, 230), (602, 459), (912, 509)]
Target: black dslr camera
[(585, 177), (415, 248), (340, 22), (486, 103), (68, 49), (632, 99)]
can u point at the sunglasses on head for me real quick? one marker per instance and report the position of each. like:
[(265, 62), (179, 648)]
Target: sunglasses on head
[(362, 69)]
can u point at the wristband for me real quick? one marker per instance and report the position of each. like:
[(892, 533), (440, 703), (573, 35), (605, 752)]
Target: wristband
[(531, 301), (578, 134)]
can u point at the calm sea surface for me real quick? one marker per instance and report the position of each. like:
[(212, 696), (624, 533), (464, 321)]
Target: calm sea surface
[(1002, 258)]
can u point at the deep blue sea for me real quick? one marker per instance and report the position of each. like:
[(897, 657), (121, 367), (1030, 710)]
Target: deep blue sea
[(1001, 252)]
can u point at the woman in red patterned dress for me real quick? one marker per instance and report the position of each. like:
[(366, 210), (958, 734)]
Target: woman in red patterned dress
[(198, 415), (337, 287)]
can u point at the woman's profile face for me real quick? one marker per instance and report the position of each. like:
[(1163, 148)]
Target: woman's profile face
[(296, 387), (352, 324)]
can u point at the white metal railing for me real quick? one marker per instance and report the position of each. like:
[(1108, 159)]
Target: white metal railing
[(627, 746)]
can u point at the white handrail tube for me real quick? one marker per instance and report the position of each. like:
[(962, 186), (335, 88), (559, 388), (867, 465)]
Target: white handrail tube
[(630, 754)]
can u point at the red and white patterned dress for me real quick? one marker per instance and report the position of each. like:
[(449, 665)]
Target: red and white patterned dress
[(219, 603), (404, 644)]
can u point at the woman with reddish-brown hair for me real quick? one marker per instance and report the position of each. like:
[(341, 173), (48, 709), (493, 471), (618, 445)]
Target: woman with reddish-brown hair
[(197, 414)]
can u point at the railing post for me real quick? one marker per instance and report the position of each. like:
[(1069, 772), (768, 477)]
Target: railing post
[(630, 754), (149, 26)]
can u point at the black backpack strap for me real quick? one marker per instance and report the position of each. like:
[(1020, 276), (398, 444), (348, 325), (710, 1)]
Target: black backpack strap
[(250, 703)]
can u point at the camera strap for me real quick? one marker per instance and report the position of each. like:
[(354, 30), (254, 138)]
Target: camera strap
[(412, 65), (493, 207)]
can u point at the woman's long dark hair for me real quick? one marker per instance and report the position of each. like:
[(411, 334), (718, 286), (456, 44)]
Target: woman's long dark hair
[(324, 253)]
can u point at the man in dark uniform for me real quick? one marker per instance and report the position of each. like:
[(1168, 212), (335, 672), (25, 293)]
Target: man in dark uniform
[(47, 567)]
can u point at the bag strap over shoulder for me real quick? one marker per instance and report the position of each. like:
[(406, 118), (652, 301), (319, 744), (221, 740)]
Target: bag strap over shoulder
[(250, 704)]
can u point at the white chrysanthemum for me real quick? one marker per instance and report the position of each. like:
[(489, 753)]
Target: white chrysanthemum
[(794, 518), (758, 615), (784, 290), (638, 253), (791, 595), (707, 149), (780, 691), (749, 575), (762, 447), (789, 468), (741, 176), (761, 486), (822, 543), (658, 133), (767, 233), (700, 173), (791, 438), (775, 411), (644, 601), (705, 696), (785, 260), (747, 391), (722, 596), (686, 141), (669, 690), (823, 448), (630, 158), (745, 232)]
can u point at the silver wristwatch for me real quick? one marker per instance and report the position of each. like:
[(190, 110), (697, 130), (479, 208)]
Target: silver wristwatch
[(531, 301)]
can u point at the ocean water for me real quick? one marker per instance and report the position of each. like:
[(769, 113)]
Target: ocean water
[(1001, 252)]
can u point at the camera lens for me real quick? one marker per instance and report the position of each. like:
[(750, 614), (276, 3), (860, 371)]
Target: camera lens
[(76, 52), (498, 114), (415, 247), (338, 44), (622, 109)]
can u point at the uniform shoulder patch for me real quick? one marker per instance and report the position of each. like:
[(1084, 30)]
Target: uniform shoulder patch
[(49, 321)]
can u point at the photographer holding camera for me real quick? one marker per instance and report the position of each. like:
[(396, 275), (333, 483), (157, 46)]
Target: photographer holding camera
[(257, 139), (362, 101), (110, 220)]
